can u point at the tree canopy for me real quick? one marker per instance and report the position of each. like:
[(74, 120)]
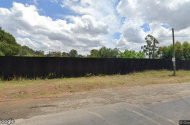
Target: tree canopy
[(26, 51), (132, 54), (54, 54), (151, 48), (182, 51), (9, 47), (73, 53), (104, 52), (8, 44)]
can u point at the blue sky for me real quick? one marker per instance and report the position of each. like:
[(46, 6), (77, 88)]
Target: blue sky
[(61, 25), (145, 27), (54, 10), (46, 7)]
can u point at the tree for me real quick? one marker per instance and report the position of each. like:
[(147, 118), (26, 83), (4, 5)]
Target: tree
[(182, 51), (39, 53), (186, 50), (26, 51), (64, 54), (166, 52), (108, 52), (115, 53), (54, 54), (80, 56), (94, 53), (132, 54), (151, 48), (178, 50), (8, 44), (1, 53), (104, 52), (73, 53), (141, 55)]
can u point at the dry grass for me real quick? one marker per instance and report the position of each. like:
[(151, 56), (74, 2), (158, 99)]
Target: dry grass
[(23, 88)]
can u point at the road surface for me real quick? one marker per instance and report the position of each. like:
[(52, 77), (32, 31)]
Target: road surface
[(163, 113), (157, 104)]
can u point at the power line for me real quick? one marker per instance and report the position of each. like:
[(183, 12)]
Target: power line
[(164, 34), (175, 30), (182, 28)]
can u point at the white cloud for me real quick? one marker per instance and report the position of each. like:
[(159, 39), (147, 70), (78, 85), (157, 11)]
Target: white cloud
[(24, 21), (93, 23), (173, 13), (102, 10)]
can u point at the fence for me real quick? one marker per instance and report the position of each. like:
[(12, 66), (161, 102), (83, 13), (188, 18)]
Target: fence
[(74, 67)]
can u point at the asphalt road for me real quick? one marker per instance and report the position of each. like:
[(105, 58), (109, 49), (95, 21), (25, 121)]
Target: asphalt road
[(164, 113)]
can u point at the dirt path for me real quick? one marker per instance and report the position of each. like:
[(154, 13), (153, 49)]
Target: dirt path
[(138, 95)]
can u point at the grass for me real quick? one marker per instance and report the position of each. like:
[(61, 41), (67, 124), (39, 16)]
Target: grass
[(23, 88)]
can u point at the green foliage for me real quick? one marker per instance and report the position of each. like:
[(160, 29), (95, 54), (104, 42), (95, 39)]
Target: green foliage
[(54, 54), (80, 56), (73, 53), (39, 53), (64, 54), (94, 54), (104, 53), (131, 54), (178, 50), (150, 49), (108, 52), (186, 50), (26, 51), (1, 53), (8, 44), (166, 52), (115, 53), (182, 51)]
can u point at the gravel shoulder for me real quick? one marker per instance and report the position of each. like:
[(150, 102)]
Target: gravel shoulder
[(136, 95)]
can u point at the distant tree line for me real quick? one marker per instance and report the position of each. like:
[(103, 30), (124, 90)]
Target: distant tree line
[(151, 49), (8, 44), (9, 47), (115, 53), (26, 51), (103, 52), (182, 51)]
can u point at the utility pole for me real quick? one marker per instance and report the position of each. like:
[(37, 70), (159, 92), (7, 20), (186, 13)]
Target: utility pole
[(173, 59)]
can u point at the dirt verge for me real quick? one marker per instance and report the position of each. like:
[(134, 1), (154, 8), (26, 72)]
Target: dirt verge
[(138, 95)]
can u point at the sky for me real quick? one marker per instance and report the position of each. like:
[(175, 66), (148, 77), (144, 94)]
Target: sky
[(62, 25)]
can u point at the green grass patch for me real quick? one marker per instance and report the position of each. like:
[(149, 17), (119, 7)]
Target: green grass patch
[(25, 88)]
